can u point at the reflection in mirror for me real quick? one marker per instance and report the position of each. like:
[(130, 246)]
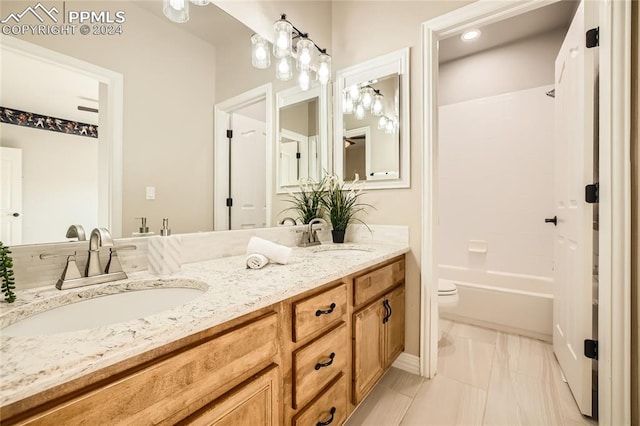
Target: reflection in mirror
[(372, 128), (302, 136)]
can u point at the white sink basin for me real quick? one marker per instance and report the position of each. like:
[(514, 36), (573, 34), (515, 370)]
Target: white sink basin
[(130, 303)]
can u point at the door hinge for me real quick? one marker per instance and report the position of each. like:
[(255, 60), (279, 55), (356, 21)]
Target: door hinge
[(593, 37), (229, 134), (298, 155), (591, 194), (229, 202), (591, 348)]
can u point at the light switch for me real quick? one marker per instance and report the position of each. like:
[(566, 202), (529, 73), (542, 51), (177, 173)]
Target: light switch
[(151, 192)]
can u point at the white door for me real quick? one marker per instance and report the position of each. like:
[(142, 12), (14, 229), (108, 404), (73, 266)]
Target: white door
[(573, 244), (11, 198), (248, 171)]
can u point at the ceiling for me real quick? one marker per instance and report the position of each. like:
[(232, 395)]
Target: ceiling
[(548, 18), (210, 23)]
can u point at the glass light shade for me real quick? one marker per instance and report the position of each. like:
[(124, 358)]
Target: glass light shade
[(304, 47), (284, 71), (359, 112), (390, 127), (347, 104), (260, 55), (176, 10), (282, 36), (367, 97), (354, 92), (376, 106), (200, 2), (304, 80), (324, 68), (382, 122)]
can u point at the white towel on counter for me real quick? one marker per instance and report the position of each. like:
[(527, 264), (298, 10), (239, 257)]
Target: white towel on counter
[(256, 261), (274, 252)]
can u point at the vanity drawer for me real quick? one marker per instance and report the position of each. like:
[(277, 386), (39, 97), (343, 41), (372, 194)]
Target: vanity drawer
[(317, 363), (177, 385), (330, 408), (368, 286), (318, 312)]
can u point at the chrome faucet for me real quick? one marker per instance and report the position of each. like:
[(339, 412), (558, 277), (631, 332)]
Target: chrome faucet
[(94, 274), (310, 235)]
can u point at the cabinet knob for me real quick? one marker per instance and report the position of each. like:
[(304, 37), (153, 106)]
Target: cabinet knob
[(15, 214), (328, 311), (328, 422), (326, 364)]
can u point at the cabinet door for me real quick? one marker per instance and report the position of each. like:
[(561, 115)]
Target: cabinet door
[(394, 327), (368, 348), (254, 403)]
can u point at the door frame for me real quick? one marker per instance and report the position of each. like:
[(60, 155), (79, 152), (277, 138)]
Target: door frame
[(222, 112), (614, 323)]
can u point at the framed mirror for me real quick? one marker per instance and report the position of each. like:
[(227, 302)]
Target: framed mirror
[(302, 136), (371, 122)]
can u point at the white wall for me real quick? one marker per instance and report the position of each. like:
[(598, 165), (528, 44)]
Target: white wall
[(520, 65), (58, 189)]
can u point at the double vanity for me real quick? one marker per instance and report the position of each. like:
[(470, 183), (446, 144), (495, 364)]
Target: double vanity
[(298, 344)]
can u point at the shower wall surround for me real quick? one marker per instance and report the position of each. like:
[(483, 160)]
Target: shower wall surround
[(496, 189)]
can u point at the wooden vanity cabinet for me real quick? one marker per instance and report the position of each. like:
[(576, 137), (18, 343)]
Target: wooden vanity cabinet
[(378, 325)]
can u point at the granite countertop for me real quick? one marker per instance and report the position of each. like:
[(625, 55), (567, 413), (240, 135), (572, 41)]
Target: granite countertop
[(30, 365)]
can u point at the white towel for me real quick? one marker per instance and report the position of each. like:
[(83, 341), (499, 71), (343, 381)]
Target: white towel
[(256, 261), (274, 252)]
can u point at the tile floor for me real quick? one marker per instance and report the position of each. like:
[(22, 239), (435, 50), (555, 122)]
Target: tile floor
[(485, 377)]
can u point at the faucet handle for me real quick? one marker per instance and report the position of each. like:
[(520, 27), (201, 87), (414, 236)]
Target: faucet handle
[(70, 272)]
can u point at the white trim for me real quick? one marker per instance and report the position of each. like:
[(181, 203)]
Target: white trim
[(111, 138), (614, 334), (391, 63), (222, 111), (407, 362), (614, 248)]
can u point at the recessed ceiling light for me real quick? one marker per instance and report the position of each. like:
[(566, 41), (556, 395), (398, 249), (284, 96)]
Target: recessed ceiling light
[(470, 35)]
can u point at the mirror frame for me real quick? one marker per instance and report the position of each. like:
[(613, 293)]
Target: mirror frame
[(382, 66), (295, 95), (110, 123)]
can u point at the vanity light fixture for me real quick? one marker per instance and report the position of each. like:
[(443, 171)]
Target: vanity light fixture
[(360, 98), (470, 35), (304, 52)]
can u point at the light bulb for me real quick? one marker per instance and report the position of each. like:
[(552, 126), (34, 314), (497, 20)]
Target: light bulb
[(284, 71), (261, 53), (382, 122), (389, 127), (354, 92), (324, 68), (376, 107), (367, 97), (282, 42), (359, 112), (176, 10), (304, 80)]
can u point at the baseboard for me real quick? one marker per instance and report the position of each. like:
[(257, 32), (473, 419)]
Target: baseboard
[(407, 362)]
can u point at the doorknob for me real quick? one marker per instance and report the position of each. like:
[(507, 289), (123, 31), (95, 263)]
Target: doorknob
[(553, 220), (15, 214)]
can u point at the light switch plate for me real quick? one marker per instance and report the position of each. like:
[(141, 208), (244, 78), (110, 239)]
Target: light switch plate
[(151, 192)]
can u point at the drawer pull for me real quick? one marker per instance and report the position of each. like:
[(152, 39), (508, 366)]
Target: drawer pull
[(328, 311), (328, 422), (326, 364), (387, 309)]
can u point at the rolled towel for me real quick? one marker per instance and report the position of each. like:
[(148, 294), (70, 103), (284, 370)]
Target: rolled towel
[(256, 261), (274, 252)]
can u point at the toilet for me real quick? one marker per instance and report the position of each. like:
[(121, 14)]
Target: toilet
[(447, 298)]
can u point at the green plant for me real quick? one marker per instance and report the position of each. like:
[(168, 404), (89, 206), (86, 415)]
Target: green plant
[(6, 272), (342, 201), (307, 202)]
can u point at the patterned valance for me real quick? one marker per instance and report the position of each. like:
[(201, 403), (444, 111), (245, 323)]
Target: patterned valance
[(44, 122)]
